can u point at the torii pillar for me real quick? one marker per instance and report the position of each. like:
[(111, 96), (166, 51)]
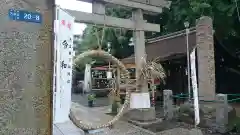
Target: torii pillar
[(139, 49), (139, 46)]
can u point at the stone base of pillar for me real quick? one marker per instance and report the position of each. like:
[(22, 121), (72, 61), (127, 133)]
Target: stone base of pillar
[(142, 114)]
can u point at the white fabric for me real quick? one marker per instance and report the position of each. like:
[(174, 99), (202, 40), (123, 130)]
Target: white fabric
[(87, 78)]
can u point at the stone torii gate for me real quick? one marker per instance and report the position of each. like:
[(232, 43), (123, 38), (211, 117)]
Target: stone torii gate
[(137, 24)]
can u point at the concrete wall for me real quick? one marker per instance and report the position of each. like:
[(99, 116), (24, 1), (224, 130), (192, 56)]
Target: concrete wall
[(25, 70), (205, 57)]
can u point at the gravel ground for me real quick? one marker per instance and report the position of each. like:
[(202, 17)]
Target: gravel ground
[(167, 125), (173, 126)]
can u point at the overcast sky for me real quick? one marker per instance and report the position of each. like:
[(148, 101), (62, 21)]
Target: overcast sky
[(76, 5)]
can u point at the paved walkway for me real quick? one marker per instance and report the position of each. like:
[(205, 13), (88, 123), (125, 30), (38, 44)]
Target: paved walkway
[(67, 128), (124, 128), (92, 115), (120, 128)]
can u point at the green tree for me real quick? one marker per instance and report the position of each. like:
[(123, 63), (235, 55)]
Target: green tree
[(119, 38), (225, 21), (224, 14)]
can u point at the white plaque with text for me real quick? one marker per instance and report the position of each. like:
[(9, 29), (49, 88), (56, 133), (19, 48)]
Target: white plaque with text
[(140, 101)]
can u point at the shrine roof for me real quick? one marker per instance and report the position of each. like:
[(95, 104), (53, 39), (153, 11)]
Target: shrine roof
[(167, 47)]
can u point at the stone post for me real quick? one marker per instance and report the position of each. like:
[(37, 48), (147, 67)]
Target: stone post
[(168, 104), (205, 58), (221, 113), (26, 64)]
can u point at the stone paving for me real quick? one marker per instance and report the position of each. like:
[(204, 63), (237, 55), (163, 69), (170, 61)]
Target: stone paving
[(119, 128), (67, 128), (88, 115), (124, 128)]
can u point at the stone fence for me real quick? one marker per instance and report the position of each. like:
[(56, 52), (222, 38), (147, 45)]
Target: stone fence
[(217, 114)]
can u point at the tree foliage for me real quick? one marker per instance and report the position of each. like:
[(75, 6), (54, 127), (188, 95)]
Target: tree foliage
[(117, 37), (224, 14), (94, 35)]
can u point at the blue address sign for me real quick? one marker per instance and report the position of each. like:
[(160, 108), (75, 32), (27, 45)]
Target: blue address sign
[(25, 16)]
